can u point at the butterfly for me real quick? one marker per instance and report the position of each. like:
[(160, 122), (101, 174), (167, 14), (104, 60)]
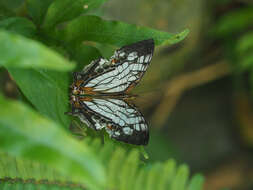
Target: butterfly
[(100, 93)]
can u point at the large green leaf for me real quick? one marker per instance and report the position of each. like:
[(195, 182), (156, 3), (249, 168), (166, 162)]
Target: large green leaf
[(17, 51), (46, 90), (37, 9), (24, 133), (64, 10), (84, 54), (93, 28), (18, 25)]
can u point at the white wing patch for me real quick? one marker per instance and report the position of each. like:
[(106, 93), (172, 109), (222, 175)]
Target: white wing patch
[(121, 77), (119, 112)]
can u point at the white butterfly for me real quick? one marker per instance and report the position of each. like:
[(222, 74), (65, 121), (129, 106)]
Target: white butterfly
[(99, 91)]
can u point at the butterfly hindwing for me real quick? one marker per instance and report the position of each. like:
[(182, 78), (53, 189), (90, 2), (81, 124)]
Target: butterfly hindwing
[(121, 120), (119, 74)]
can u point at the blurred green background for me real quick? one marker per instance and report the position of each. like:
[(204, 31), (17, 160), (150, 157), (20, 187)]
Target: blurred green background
[(196, 95)]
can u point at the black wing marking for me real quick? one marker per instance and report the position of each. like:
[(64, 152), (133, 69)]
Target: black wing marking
[(121, 120)]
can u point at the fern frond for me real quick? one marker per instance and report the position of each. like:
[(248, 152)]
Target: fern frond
[(16, 173), (124, 169), (19, 168), (10, 184)]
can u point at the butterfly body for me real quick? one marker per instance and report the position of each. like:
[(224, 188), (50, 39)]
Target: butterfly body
[(100, 93)]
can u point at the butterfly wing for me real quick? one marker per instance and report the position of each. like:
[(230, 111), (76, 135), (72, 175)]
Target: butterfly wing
[(121, 120), (119, 74)]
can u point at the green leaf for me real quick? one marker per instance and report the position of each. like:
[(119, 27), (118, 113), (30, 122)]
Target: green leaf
[(84, 54), (17, 51), (24, 133), (37, 9), (196, 183), (46, 90), (22, 172), (106, 153), (167, 174), (153, 175), (246, 62), (113, 168), (12, 5), (18, 184), (245, 43), (5, 13), (123, 169), (128, 171), (19, 25), (65, 10), (244, 49), (179, 182), (13, 167), (140, 180), (251, 81), (234, 22), (93, 28)]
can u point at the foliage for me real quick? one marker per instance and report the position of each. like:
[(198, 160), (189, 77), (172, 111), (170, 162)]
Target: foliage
[(133, 175), (95, 29), (14, 54), (42, 140), (233, 29), (40, 43)]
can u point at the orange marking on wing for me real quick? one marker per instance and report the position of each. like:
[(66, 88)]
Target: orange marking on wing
[(109, 126), (114, 61), (85, 99), (130, 87), (87, 90), (78, 83), (75, 87)]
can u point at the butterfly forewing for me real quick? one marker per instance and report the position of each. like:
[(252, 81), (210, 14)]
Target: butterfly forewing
[(119, 74), (120, 119)]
